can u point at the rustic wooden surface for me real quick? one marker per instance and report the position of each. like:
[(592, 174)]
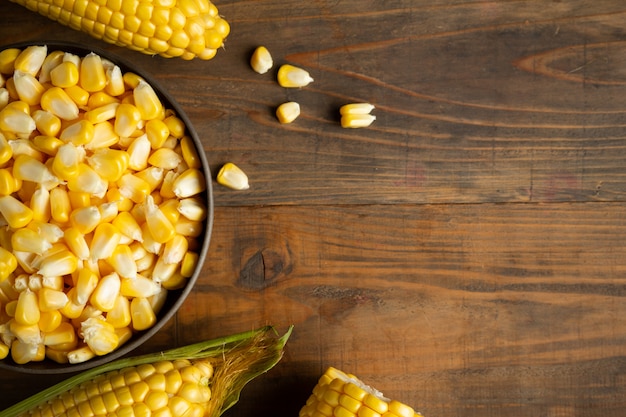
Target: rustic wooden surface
[(466, 254)]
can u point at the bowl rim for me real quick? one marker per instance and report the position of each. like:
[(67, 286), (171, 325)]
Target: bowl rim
[(175, 298)]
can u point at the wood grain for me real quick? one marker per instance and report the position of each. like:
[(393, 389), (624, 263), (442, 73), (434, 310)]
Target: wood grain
[(465, 254)]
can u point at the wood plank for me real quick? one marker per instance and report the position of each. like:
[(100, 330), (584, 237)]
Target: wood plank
[(477, 102)]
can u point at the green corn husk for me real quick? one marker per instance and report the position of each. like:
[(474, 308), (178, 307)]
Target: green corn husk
[(237, 359)]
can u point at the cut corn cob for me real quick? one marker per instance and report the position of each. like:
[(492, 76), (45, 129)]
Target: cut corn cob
[(79, 194), (181, 28), (204, 379), (342, 395)]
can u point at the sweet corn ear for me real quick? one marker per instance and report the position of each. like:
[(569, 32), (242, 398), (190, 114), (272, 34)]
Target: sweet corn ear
[(290, 76), (185, 28), (261, 60), (231, 176)]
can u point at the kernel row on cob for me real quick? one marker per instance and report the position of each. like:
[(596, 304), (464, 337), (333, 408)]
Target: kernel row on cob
[(102, 205), (338, 394), (169, 28), (204, 379)]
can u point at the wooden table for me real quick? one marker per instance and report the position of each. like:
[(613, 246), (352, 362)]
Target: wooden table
[(465, 254)]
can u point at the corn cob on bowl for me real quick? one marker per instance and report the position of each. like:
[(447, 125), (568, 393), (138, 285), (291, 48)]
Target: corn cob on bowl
[(106, 207)]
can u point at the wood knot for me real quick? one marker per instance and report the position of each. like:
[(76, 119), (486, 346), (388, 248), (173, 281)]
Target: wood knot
[(263, 269)]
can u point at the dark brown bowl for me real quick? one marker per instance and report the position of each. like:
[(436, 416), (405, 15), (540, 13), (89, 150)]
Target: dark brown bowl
[(175, 298)]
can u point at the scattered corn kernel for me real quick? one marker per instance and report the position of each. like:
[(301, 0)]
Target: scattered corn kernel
[(231, 176), (288, 112), (261, 60), (356, 115), (290, 76)]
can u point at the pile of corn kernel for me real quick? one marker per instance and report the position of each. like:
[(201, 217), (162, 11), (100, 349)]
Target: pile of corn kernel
[(101, 205)]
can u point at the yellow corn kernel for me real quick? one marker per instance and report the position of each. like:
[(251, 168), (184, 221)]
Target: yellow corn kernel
[(27, 240), (50, 320), (127, 119), (110, 164), (15, 121), (157, 133), (133, 187), (290, 76), (49, 145), (30, 59), (103, 137), (47, 123), (357, 120), (64, 75), (92, 75), (189, 264), (189, 183), (165, 158), (142, 315), (139, 152), (78, 95), (190, 153), (85, 219), (288, 112), (50, 299), (7, 60), (76, 243), (189, 228), (108, 288), (261, 60), (88, 181), (22, 353), (80, 355), (147, 101), (160, 227), (101, 99), (16, 213), (6, 151), (115, 82), (27, 309), (356, 108), (175, 249), (66, 161), (139, 286), (123, 263), (106, 238), (113, 195), (175, 126), (192, 208), (58, 263), (153, 176), (56, 101), (102, 113), (28, 88), (60, 207), (99, 335), (8, 184), (64, 334), (27, 168), (119, 315), (231, 176), (79, 133)]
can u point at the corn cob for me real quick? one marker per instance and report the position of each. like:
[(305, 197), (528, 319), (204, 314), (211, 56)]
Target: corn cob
[(79, 193), (204, 379), (181, 28), (343, 395)]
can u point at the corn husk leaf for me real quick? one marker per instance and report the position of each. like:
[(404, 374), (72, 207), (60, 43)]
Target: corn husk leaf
[(237, 360)]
